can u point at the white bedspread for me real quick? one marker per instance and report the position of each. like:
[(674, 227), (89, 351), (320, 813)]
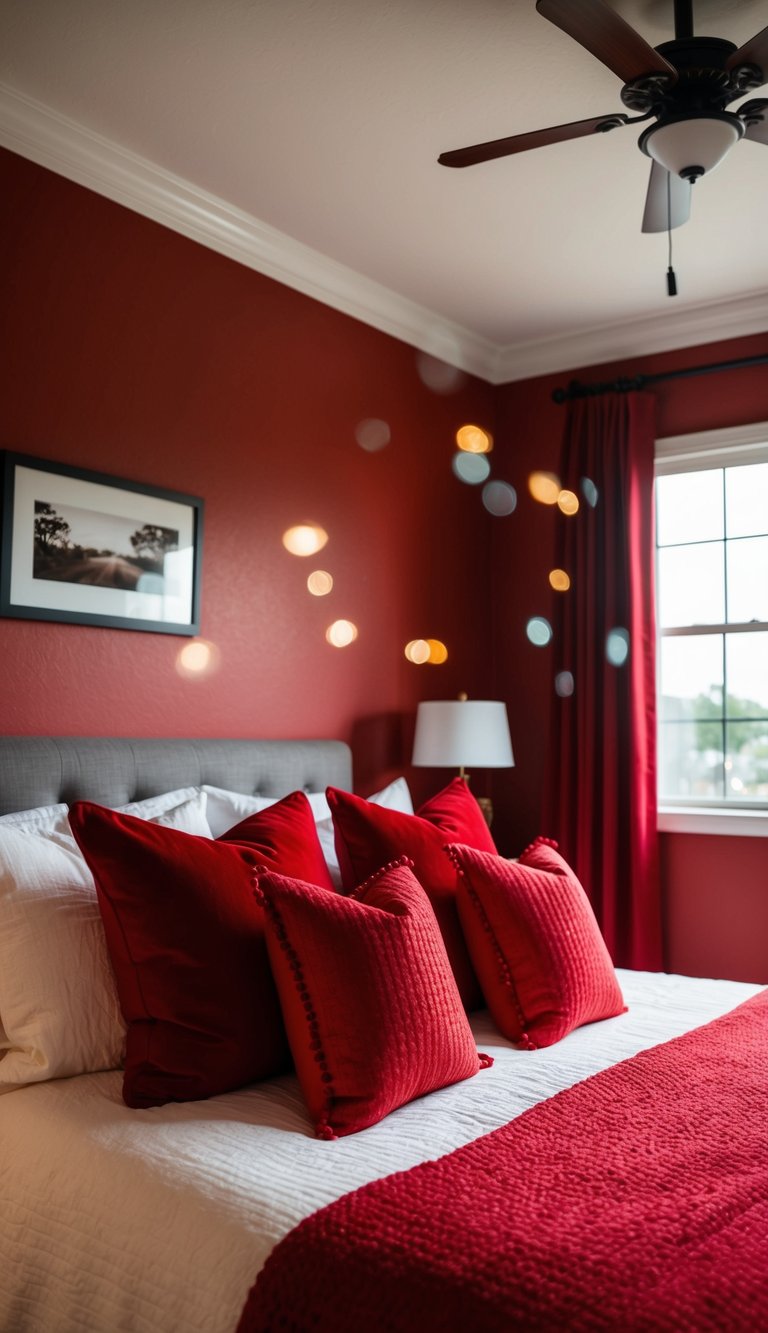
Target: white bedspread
[(158, 1221)]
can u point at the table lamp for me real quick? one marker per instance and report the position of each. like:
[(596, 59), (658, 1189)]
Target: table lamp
[(461, 733)]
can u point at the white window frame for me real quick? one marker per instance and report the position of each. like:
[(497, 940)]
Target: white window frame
[(728, 447)]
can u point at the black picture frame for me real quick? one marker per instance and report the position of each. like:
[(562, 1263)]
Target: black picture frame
[(88, 548)]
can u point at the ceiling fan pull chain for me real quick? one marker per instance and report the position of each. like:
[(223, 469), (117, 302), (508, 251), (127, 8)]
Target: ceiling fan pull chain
[(671, 279)]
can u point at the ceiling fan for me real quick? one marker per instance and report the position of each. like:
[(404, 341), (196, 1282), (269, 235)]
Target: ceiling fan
[(683, 86)]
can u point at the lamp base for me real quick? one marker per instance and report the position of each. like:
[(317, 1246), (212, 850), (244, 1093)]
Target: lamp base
[(486, 805)]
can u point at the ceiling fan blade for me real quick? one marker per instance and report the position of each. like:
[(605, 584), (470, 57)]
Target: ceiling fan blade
[(668, 201), (755, 116), (753, 52), (758, 133), (519, 143), (602, 31)]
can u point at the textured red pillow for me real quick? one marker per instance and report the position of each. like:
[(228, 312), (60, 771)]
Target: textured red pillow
[(186, 940), (535, 943), (368, 836), (371, 1007)]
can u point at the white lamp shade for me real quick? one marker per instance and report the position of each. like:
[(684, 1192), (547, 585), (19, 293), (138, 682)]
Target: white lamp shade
[(463, 733), (701, 141)]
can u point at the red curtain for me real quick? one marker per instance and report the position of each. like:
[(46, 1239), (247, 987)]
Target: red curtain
[(601, 792)]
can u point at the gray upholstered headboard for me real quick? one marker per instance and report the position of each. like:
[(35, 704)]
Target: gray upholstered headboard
[(43, 770)]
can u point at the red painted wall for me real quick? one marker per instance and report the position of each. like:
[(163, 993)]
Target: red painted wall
[(126, 348), (707, 878)]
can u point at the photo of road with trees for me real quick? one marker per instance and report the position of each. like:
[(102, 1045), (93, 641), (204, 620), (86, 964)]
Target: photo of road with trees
[(73, 545)]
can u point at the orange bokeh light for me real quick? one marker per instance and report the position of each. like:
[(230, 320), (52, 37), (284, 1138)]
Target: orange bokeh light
[(568, 502), (474, 440), (544, 487), (559, 580), (305, 539)]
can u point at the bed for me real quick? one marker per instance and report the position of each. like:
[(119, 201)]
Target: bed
[(162, 1218)]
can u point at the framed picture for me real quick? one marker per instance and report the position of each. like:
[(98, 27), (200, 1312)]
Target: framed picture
[(97, 550)]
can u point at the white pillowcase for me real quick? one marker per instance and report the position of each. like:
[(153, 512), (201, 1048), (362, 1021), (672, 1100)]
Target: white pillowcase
[(396, 796), (57, 816), (59, 1013), (189, 815), (227, 808), (152, 806), (42, 817)]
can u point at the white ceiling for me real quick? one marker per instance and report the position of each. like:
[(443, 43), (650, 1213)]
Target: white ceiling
[(259, 124)]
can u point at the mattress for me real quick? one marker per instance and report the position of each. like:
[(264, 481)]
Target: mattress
[(160, 1219)]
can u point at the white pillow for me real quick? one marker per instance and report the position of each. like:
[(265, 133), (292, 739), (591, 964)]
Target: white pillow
[(44, 816), (396, 796), (152, 806), (59, 1013), (188, 817), (56, 816), (227, 808)]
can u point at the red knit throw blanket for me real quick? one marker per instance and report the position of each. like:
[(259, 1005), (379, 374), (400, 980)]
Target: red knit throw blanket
[(635, 1200)]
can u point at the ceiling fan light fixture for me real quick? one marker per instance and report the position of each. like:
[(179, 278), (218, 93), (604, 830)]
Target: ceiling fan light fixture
[(692, 145)]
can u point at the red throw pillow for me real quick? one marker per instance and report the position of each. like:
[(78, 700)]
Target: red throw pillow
[(368, 836), (535, 943), (373, 1014), (186, 940)]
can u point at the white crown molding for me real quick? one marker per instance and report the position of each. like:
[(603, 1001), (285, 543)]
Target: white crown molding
[(691, 326), (44, 136), (35, 131)]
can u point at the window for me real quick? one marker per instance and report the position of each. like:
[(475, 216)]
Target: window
[(712, 610)]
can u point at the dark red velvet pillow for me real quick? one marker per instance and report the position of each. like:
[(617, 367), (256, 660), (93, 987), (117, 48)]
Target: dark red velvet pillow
[(368, 836), (186, 940), (535, 944), (370, 1003)]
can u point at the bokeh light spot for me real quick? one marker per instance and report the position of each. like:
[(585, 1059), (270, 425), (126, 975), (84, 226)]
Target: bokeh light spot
[(559, 580), (544, 487), (439, 376), (589, 491), (568, 502), (539, 631), (372, 434), (305, 539), (438, 653), (197, 658), (417, 651), (471, 468), (320, 582), (341, 633), (474, 440), (499, 498), (617, 646), (564, 684)]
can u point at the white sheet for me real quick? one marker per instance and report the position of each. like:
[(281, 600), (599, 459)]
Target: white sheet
[(156, 1221)]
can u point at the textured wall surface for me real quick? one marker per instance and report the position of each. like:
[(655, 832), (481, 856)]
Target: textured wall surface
[(126, 348)]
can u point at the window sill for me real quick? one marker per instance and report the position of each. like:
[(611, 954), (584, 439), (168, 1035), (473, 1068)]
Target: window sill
[(727, 823)]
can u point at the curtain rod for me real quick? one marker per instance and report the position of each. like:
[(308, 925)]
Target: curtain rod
[(625, 384)]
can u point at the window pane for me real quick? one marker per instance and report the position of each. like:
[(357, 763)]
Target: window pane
[(692, 585), (746, 666), (747, 566), (691, 677), (689, 507), (689, 764), (746, 500), (746, 761)]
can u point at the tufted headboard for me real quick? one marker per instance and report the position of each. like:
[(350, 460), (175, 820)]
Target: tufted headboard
[(43, 770)]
